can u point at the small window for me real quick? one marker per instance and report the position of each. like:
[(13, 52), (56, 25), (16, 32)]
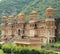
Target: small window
[(12, 26), (50, 41), (35, 26)]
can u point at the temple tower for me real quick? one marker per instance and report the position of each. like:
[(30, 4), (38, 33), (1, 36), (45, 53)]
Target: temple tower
[(50, 24), (10, 19), (4, 28), (11, 26), (32, 25), (20, 24)]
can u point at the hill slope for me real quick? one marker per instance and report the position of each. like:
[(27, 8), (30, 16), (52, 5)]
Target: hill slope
[(41, 5), (13, 7)]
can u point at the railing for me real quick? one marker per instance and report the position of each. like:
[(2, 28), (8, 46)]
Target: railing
[(28, 40)]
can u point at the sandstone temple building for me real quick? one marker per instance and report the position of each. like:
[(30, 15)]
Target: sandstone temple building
[(34, 32)]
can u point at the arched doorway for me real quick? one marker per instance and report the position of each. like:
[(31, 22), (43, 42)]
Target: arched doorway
[(19, 31)]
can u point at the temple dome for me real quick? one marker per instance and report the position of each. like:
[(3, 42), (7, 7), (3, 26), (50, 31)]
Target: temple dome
[(33, 12), (50, 8), (11, 17), (21, 16), (50, 11), (4, 18)]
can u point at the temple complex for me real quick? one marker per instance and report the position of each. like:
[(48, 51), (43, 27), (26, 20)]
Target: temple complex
[(31, 33)]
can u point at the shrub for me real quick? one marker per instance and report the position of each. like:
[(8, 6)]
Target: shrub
[(33, 51), (7, 48), (20, 50), (51, 52), (55, 45), (0, 46), (52, 45), (17, 49), (43, 51), (43, 46), (25, 51), (1, 51)]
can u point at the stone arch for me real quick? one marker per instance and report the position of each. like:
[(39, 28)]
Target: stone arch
[(19, 31)]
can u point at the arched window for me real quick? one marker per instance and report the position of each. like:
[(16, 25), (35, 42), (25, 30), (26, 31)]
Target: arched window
[(35, 26), (18, 31), (12, 26)]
